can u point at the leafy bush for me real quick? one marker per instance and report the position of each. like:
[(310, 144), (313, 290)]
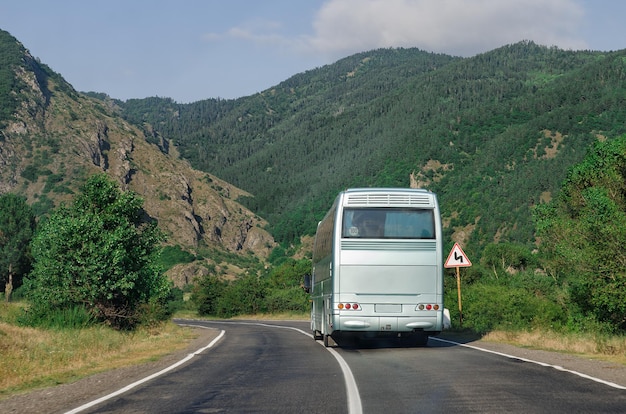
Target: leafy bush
[(207, 293), (277, 291), (100, 255), (73, 317), (175, 300), (292, 299), (506, 257), (17, 226), (245, 295), (507, 305), (488, 307)]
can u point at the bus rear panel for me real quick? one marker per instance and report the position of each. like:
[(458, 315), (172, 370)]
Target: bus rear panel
[(378, 266)]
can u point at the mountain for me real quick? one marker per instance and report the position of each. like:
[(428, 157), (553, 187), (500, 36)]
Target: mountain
[(52, 138), (494, 135)]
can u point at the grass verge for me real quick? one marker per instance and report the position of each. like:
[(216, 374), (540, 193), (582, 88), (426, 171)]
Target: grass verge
[(36, 358), (596, 346)]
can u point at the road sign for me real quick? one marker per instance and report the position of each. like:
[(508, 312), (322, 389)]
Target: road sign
[(457, 258)]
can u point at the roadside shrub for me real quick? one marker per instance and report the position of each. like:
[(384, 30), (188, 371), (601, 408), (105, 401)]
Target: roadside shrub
[(98, 253), (242, 296), (75, 317), (175, 301), (206, 294), (293, 299), (489, 306), (503, 258)]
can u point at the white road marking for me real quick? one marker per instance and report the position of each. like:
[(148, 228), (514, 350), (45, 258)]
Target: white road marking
[(354, 398), (543, 364), (352, 391), (148, 378)]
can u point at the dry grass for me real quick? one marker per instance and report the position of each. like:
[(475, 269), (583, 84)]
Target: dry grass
[(610, 348), (34, 358)]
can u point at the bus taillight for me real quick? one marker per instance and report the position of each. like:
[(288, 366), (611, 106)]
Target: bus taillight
[(427, 306), (349, 306)]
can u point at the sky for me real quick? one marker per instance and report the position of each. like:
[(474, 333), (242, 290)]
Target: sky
[(190, 50)]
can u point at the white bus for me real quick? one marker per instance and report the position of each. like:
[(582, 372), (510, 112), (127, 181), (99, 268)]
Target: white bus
[(378, 266)]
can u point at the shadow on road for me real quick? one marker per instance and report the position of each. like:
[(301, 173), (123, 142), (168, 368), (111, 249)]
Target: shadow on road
[(352, 342)]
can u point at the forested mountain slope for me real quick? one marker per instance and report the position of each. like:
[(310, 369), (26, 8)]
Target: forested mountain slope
[(494, 134)]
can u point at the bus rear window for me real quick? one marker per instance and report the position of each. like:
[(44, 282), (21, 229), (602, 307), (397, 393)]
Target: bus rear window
[(386, 223)]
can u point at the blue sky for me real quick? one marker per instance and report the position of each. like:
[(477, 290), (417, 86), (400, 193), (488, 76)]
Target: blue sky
[(190, 50)]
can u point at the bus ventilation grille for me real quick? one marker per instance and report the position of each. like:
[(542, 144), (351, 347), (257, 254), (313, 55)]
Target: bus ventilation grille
[(416, 200)]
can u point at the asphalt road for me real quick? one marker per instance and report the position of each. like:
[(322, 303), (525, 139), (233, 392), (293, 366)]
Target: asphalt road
[(276, 367)]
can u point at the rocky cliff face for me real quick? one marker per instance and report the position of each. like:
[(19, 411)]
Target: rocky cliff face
[(59, 137)]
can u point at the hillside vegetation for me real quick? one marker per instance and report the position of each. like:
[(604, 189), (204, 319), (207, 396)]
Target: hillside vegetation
[(493, 135)]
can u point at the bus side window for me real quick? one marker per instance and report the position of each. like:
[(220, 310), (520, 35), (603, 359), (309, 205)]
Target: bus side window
[(349, 228), (426, 225)]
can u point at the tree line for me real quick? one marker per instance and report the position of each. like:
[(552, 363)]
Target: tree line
[(574, 280), (99, 261)]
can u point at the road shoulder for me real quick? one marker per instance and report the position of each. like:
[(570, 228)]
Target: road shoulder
[(65, 397), (593, 367)]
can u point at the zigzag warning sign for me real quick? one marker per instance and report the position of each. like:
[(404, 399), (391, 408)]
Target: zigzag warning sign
[(457, 258)]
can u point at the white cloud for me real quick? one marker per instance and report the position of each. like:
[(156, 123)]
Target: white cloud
[(258, 31), (458, 27), (455, 27)]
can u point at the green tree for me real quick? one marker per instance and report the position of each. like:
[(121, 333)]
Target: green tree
[(290, 273), (206, 294), (100, 255), (507, 257), (584, 231), (285, 293), (245, 295), (17, 225)]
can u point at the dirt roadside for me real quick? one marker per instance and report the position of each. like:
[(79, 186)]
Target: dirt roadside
[(66, 397)]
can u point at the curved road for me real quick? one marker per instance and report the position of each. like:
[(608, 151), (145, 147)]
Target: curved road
[(275, 367)]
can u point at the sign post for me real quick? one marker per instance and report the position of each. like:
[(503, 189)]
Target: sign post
[(457, 258)]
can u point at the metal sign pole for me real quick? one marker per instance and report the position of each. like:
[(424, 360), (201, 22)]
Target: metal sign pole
[(457, 258), (458, 288)]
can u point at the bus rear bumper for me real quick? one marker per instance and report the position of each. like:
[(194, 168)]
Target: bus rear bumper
[(419, 325), (387, 324), (356, 324)]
